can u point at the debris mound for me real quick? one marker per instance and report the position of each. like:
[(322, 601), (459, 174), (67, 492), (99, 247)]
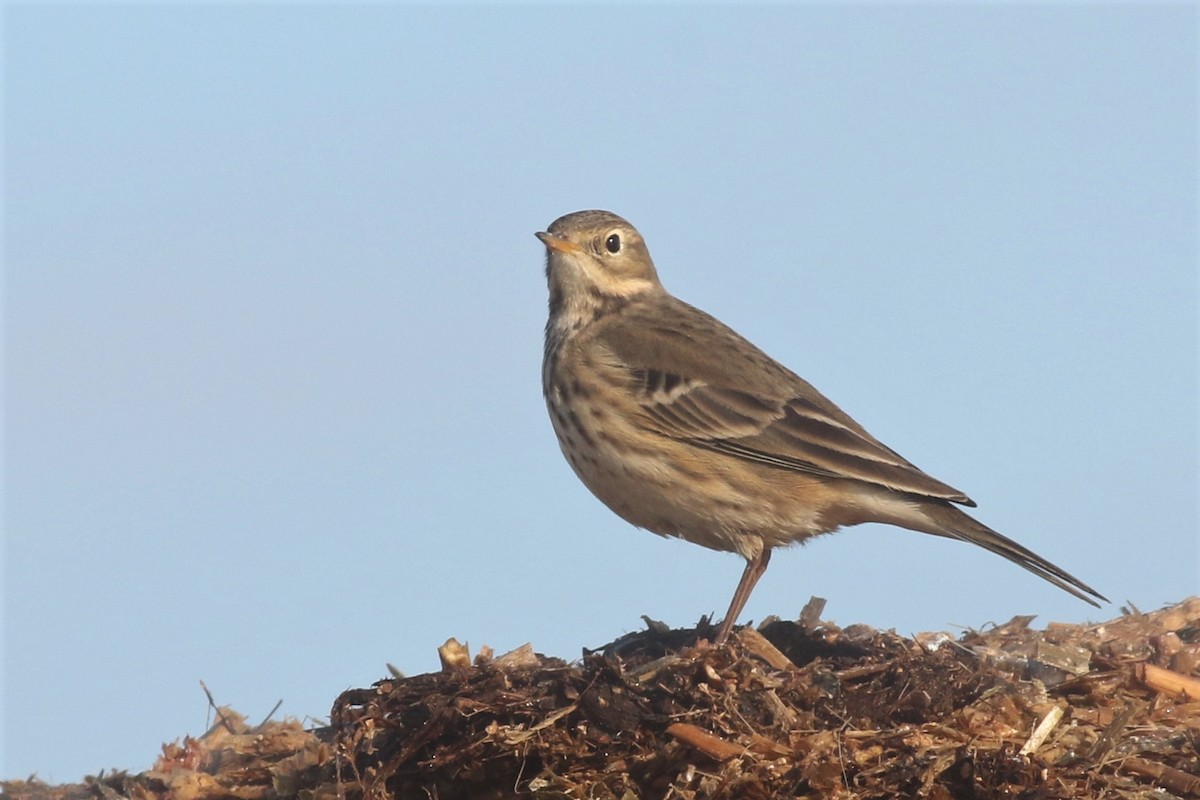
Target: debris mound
[(792, 709)]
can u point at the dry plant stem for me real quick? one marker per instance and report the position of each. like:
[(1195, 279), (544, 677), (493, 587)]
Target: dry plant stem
[(755, 567)]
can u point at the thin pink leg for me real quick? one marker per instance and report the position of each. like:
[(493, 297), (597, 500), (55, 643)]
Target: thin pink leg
[(755, 567)]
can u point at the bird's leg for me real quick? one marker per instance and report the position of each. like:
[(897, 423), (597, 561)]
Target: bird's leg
[(755, 567)]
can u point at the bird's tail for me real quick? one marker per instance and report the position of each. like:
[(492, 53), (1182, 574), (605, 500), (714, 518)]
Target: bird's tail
[(952, 523)]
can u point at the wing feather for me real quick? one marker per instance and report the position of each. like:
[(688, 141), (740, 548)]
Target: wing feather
[(694, 385)]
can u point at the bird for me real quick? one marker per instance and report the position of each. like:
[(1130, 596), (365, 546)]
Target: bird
[(684, 428)]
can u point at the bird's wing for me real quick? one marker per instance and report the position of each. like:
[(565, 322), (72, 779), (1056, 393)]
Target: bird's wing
[(698, 381)]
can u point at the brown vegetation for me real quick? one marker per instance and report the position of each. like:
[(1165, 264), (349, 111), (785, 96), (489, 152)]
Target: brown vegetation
[(794, 709)]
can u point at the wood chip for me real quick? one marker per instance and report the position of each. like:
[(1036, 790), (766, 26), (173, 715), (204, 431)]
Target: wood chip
[(1042, 731), (1168, 682), (522, 656), (810, 615), (454, 655), (705, 742), (863, 711), (758, 645)]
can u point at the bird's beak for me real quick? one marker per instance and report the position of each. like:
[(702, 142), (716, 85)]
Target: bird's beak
[(558, 243)]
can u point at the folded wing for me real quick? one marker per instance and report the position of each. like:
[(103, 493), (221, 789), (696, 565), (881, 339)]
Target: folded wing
[(770, 416)]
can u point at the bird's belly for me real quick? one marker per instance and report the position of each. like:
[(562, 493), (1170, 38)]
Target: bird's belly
[(677, 489)]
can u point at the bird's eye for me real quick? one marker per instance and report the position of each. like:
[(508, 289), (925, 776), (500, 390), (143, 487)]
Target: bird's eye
[(613, 243)]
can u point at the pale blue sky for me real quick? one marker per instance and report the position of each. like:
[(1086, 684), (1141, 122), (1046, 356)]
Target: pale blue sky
[(273, 313)]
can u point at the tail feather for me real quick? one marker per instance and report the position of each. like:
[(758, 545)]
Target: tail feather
[(952, 523)]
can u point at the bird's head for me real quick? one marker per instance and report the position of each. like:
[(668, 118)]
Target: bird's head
[(593, 259)]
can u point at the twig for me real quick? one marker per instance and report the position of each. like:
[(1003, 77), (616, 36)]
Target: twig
[(221, 718), (267, 719), (1171, 779)]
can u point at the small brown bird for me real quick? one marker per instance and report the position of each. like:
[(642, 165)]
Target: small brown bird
[(684, 428)]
